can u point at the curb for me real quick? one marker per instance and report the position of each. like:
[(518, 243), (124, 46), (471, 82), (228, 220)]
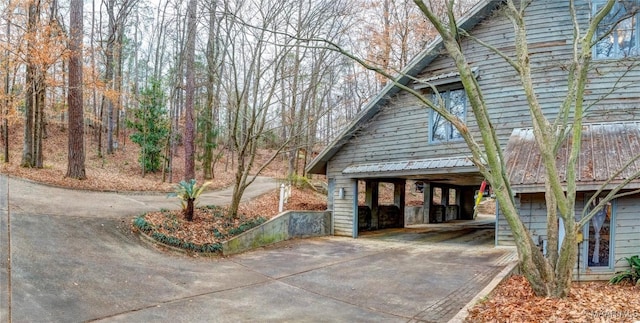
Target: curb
[(510, 269)]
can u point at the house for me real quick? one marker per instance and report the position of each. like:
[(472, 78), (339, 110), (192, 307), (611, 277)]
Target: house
[(395, 140)]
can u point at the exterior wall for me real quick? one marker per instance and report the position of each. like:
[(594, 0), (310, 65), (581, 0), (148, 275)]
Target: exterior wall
[(343, 210), (627, 225), (400, 130)]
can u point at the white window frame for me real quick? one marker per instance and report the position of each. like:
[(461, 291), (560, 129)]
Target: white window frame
[(614, 38)]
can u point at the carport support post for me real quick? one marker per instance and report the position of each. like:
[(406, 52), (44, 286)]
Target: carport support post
[(399, 189), (426, 202), (371, 200)]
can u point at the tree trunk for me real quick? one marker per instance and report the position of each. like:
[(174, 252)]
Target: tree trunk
[(208, 118), (109, 70), (189, 131), (188, 211), (7, 90), (75, 158), (39, 120), (236, 196), (30, 93)]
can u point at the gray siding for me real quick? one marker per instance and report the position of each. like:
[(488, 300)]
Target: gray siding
[(400, 130), (342, 208), (627, 230), (627, 226)]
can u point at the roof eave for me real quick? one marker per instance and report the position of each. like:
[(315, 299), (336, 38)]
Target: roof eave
[(437, 171), (580, 187), (319, 164)]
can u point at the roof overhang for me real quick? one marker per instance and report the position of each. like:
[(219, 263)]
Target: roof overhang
[(605, 149), (581, 187), (478, 13), (454, 170)]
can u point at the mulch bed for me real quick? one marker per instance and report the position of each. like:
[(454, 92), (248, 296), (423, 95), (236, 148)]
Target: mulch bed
[(210, 224), (513, 301)]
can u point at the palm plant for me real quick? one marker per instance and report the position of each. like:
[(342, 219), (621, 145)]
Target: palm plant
[(188, 192)]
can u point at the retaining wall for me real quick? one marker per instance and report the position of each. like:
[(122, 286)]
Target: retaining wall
[(288, 225)]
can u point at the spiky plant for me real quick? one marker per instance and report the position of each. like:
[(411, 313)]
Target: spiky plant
[(188, 192)]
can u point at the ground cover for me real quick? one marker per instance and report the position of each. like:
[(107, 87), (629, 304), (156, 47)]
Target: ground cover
[(513, 301)]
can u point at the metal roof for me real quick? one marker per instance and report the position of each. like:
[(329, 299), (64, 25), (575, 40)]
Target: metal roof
[(319, 164), (432, 165), (605, 148)]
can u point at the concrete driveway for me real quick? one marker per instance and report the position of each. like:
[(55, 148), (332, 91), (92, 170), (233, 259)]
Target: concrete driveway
[(69, 256)]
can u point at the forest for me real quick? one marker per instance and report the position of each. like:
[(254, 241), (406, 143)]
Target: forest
[(194, 84)]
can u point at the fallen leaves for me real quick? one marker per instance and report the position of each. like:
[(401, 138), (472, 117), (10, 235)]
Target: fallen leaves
[(208, 221), (118, 171), (514, 301)]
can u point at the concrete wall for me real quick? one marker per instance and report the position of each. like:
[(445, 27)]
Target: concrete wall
[(288, 225), (414, 215)]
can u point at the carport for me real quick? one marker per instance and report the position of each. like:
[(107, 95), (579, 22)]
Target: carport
[(447, 186)]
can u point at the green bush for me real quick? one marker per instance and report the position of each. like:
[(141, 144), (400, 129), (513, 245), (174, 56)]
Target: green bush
[(299, 181), (142, 224), (151, 127), (632, 274)]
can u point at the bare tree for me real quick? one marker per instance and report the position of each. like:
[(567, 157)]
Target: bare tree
[(7, 85), (210, 120), (44, 46), (118, 13)]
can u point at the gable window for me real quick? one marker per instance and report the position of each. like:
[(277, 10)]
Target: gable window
[(442, 130), (618, 31)]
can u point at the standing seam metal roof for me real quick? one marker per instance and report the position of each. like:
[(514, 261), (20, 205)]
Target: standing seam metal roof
[(409, 165), (605, 148)]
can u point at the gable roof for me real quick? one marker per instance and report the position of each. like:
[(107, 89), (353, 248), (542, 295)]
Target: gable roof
[(605, 149), (417, 65)]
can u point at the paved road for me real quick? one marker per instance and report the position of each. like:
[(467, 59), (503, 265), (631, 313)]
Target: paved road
[(73, 258)]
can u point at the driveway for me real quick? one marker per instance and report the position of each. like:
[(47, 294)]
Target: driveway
[(69, 256)]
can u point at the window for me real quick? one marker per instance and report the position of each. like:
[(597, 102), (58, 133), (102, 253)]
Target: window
[(599, 234), (618, 31), (441, 129)]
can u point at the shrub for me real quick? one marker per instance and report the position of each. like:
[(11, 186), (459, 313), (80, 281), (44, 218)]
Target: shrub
[(632, 274), (151, 127)]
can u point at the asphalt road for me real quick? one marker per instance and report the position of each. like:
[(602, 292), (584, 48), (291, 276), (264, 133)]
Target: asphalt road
[(70, 256)]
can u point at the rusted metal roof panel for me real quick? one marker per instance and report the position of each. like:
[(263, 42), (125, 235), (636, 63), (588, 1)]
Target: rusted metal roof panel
[(410, 165), (605, 149)]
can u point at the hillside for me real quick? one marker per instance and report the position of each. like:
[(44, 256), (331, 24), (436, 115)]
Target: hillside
[(121, 172)]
